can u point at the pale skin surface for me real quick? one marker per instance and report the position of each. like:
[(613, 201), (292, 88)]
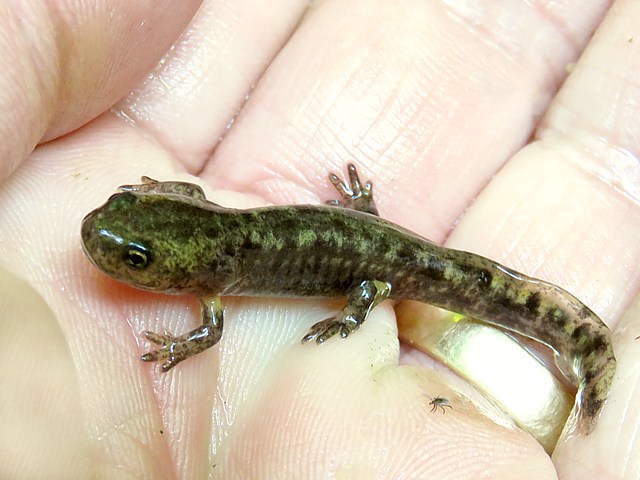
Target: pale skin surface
[(433, 102)]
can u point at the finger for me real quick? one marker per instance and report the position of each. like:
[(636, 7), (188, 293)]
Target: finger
[(423, 97), (98, 319), (65, 64), (190, 98), (592, 133)]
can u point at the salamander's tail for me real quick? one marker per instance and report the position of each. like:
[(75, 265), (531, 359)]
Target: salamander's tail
[(597, 370)]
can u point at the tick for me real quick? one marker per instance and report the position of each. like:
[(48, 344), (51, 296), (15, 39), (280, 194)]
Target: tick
[(439, 403)]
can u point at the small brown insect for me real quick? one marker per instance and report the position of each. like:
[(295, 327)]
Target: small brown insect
[(439, 403)]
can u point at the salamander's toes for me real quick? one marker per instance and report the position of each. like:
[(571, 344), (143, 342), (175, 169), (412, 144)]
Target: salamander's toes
[(354, 194), (326, 329), (170, 353)]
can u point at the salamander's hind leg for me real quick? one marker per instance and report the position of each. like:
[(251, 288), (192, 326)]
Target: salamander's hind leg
[(359, 303), (149, 185), (354, 195)]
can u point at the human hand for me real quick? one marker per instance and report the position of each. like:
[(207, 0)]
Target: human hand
[(447, 111)]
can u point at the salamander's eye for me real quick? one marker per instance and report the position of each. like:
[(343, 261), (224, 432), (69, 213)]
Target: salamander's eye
[(137, 256)]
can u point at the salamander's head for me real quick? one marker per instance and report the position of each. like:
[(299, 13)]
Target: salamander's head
[(146, 241)]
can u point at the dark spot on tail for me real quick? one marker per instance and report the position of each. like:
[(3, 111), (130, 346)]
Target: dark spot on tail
[(593, 406), (435, 269), (589, 375), (557, 317), (600, 342), (533, 302), (597, 344), (507, 303), (579, 333)]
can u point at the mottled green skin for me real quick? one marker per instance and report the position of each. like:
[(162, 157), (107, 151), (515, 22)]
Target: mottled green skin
[(197, 247)]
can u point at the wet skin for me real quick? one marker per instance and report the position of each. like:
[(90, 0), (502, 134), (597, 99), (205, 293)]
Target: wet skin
[(166, 237)]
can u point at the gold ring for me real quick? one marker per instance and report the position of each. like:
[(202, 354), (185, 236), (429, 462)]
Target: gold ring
[(495, 363)]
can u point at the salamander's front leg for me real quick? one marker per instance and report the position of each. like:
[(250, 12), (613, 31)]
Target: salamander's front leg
[(176, 349), (354, 195), (149, 185), (360, 302)]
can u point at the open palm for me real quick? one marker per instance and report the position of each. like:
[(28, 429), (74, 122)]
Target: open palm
[(474, 134)]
